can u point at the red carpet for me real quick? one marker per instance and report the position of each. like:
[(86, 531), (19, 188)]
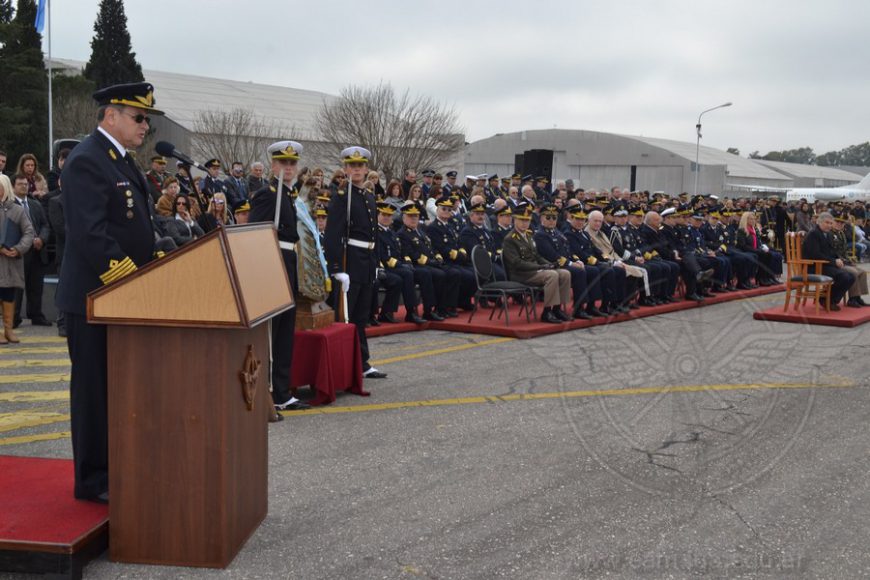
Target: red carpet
[(519, 328), (37, 509), (846, 317)]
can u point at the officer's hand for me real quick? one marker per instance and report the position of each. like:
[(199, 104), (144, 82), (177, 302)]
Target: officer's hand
[(344, 280), (839, 263), (37, 244)]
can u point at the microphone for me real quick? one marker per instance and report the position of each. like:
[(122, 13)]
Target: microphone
[(167, 149)]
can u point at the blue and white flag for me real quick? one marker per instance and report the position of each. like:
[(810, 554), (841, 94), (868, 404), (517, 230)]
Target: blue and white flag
[(40, 16)]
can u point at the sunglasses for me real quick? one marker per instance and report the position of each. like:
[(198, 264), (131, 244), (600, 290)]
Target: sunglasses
[(181, 203), (218, 202), (139, 118)]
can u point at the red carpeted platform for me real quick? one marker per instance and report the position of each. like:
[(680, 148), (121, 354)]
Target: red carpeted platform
[(43, 529), (519, 328), (845, 318)]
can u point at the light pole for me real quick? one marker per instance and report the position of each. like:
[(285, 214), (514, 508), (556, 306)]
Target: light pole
[(698, 143)]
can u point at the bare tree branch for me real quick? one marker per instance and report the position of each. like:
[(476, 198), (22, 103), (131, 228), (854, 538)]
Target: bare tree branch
[(234, 135), (403, 132)]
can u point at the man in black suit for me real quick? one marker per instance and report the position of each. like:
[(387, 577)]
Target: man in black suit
[(34, 260), (108, 236), (818, 246)]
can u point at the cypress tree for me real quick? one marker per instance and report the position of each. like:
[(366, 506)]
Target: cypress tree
[(112, 58), (23, 85)]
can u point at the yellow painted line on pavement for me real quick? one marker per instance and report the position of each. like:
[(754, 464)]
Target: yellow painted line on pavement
[(565, 395), (418, 346), (43, 340), (33, 350), (437, 351), (34, 396), (33, 438), (25, 419), (34, 362), (41, 378)]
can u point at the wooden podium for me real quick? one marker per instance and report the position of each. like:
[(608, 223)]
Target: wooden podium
[(188, 404)]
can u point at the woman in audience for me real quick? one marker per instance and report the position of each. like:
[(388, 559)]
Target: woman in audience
[(184, 228), (749, 240), (217, 214), (16, 237), (166, 203), (28, 166), (803, 218)]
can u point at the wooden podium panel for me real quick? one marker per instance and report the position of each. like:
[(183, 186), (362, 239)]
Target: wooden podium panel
[(187, 459), (250, 261)]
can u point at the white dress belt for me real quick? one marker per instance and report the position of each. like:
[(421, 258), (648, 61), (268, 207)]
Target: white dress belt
[(361, 244), (291, 246)]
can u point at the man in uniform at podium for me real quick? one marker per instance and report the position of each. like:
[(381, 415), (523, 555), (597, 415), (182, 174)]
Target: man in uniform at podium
[(351, 255), (285, 157), (109, 235)]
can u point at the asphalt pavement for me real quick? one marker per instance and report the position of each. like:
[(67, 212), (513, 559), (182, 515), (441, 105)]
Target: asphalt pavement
[(699, 443)]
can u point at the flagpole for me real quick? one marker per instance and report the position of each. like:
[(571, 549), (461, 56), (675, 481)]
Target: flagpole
[(50, 116)]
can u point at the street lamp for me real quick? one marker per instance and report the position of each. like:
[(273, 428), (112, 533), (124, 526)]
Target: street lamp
[(698, 144)]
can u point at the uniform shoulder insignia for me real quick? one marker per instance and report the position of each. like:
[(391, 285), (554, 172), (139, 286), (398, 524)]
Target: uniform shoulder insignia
[(341, 192), (272, 189), (112, 154)]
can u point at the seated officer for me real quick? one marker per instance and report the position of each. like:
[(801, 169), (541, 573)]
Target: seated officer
[(475, 234), (394, 274), (503, 223), (691, 271), (708, 258), (719, 240), (599, 278), (525, 265), (553, 246), (416, 249), (654, 248), (444, 235)]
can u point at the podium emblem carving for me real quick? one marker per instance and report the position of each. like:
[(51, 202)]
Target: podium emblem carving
[(248, 376)]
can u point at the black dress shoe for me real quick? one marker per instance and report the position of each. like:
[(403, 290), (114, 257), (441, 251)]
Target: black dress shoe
[(731, 288), (744, 286), (374, 373), (695, 297), (433, 316), (593, 311), (99, 498), (621, 309), (581, 314), (551, 317), (633, 306), (373, 322), (40, 322), (861, 301), (386, 317), (296, 405), (452, 313), (853, 303), (705, 293), (561, 315), (668, 300), (412, 317)]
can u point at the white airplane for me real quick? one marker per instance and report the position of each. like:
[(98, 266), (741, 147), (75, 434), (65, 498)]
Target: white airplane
[(857, 192)]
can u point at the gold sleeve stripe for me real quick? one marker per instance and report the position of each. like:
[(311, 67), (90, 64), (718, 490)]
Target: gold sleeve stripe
[(118, 270)]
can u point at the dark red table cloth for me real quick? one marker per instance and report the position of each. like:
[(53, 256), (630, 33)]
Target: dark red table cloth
[(328, 359)]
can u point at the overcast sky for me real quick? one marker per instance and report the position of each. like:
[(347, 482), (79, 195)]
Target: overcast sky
[(795, 71)]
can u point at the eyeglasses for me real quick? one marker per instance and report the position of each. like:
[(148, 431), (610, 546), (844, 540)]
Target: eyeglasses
[(138, 118), (181, 203)]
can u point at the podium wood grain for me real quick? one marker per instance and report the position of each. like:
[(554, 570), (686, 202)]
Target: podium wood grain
[(188, 461)]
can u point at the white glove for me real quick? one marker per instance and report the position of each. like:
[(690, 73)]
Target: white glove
[(344, 279), (764, 248)]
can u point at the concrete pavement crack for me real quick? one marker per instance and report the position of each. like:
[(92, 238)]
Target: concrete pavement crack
[(740, 517)]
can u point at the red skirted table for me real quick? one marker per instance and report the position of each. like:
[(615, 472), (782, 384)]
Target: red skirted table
[(329, 359)]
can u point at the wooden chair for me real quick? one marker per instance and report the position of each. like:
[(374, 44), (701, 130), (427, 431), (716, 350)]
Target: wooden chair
[(805, 284)]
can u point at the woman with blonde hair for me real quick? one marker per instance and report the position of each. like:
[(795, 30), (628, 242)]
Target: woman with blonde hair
[(749, 240), (16, 237), (217, 214)]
